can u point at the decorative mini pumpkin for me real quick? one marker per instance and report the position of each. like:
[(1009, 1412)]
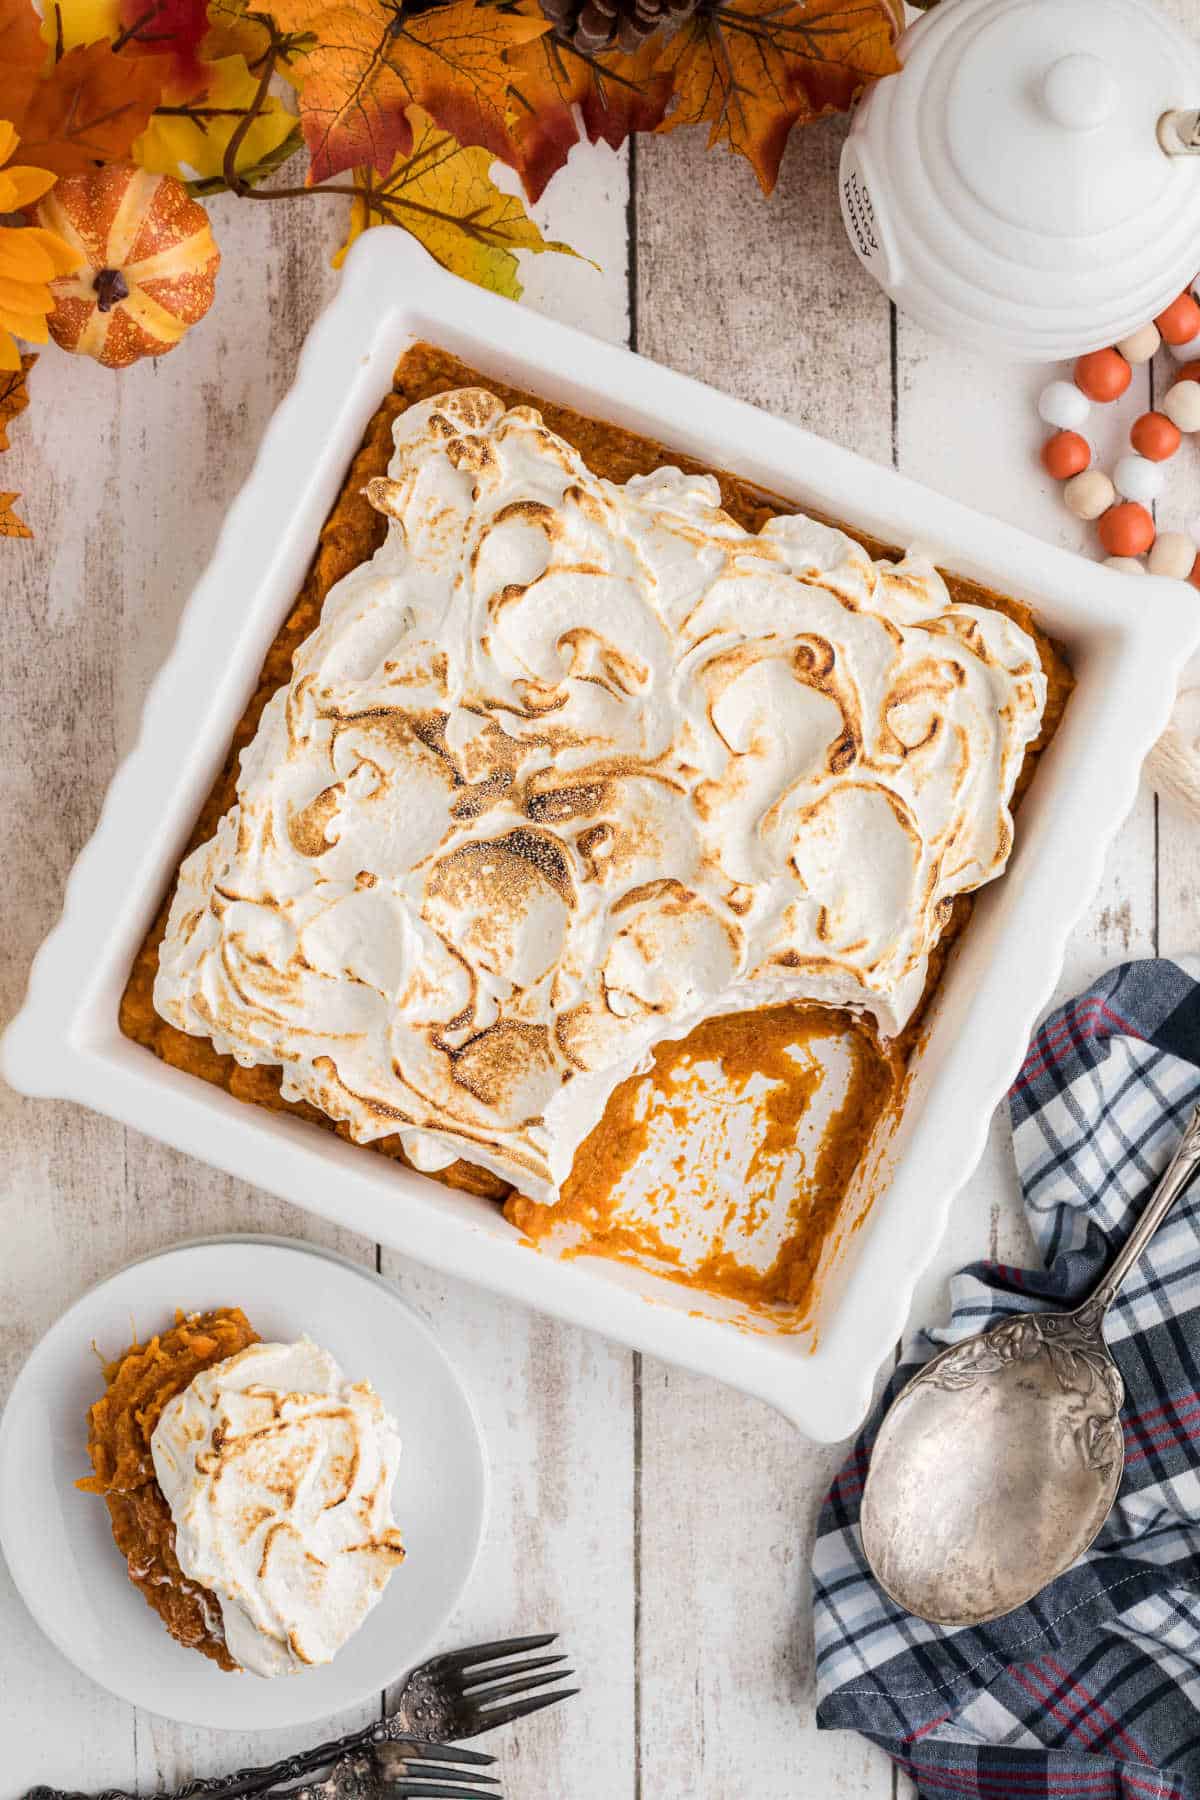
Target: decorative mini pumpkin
[(150, 263)]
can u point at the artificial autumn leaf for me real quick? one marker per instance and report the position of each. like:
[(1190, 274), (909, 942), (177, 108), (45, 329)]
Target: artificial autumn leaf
[(444, 195), (31, 257), (251, 173), (10, 525), (373, 59), (13, 397), (171, 28), (233, 30), (22, 54), (68, 24), (236, 28), (617, 93), (754, 68), (190, 139), (90, 108)]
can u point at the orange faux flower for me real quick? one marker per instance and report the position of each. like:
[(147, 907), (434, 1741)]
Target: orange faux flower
[(30, 256)]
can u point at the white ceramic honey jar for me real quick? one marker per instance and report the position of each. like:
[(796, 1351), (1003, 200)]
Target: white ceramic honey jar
[(1029, 182)]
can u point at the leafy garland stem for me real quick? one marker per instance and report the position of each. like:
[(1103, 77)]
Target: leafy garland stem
[(233, 181), (129, 32), (237, 184), (245, 190)]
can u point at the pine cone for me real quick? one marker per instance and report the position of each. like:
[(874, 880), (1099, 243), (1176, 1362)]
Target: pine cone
[(596, 25)]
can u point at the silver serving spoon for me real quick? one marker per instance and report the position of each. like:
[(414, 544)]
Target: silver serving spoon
[(1000, 1460)]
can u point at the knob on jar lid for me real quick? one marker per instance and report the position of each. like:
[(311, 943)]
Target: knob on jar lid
[(1080, 91), (1018, 175)]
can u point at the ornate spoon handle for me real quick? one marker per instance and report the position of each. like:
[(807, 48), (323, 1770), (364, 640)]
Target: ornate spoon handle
[(1176, 1176)]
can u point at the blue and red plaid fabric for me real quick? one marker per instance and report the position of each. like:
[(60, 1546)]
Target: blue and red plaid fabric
[(1091, 1692)]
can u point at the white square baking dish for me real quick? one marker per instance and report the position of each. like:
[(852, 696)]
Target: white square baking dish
[(1127, 643)]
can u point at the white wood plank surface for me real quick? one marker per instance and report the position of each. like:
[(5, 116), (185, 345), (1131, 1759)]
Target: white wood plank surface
[(728, 1494), (660, 1520)]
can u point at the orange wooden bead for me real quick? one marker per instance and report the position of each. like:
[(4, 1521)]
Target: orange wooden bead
[(1155, 437), (1126, 529), (1188, 371), (1065, 454), (1194, 577), (1104, 375), (1180, 321)]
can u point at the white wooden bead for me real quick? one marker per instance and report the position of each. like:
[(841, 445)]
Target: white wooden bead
[(1182, 405), (1140, 345), (1193, 529), (1128, 565), (1090, 494), (1172, 553), (1186, 352), (1139, 479), (1061, 403)]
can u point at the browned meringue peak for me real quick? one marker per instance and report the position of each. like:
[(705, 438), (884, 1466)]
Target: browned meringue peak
[(569, 766)]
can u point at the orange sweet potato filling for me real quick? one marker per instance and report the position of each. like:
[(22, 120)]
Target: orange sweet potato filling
[(743, 1046), (138, 1385)]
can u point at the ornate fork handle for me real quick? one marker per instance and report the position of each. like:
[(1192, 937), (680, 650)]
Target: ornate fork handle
[(353, 1777), (242, 1782), (358, 1776)]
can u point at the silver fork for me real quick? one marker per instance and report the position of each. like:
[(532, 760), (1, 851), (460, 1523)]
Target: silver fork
[(453, 1696), (372, 1772), (392, 1772)]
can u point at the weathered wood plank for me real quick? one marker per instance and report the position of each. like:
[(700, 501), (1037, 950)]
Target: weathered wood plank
[(556, 1410), (763, 299), (969, 427), (556, 1404), (128, 479), (1178, 830)]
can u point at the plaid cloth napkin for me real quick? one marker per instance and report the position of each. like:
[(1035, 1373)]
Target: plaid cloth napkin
[(1092, 1691)]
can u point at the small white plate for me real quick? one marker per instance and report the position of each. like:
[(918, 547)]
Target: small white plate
[(57, 1541)]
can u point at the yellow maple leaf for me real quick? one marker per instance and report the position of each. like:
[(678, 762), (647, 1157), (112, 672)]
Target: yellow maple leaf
[(68, 23), (371, 60), (444, 195), (190, 139), (13, 396), (751, 69), (237, 28), (10, 525)]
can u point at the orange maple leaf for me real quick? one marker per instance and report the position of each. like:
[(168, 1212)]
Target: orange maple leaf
[(617, 93), (10, 525), (90, 108), (751, 69), (22, 54), (373, 59), (13, 397)]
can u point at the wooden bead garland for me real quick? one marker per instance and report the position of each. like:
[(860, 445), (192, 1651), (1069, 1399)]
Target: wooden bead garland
[(1119, 505)]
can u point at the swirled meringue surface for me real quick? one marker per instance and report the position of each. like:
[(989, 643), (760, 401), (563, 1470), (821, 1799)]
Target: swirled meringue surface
[(279, 1474), (568, 767)]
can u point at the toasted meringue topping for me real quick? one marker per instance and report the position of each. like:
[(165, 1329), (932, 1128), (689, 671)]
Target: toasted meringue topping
[(568, 767), (279, 1477)]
